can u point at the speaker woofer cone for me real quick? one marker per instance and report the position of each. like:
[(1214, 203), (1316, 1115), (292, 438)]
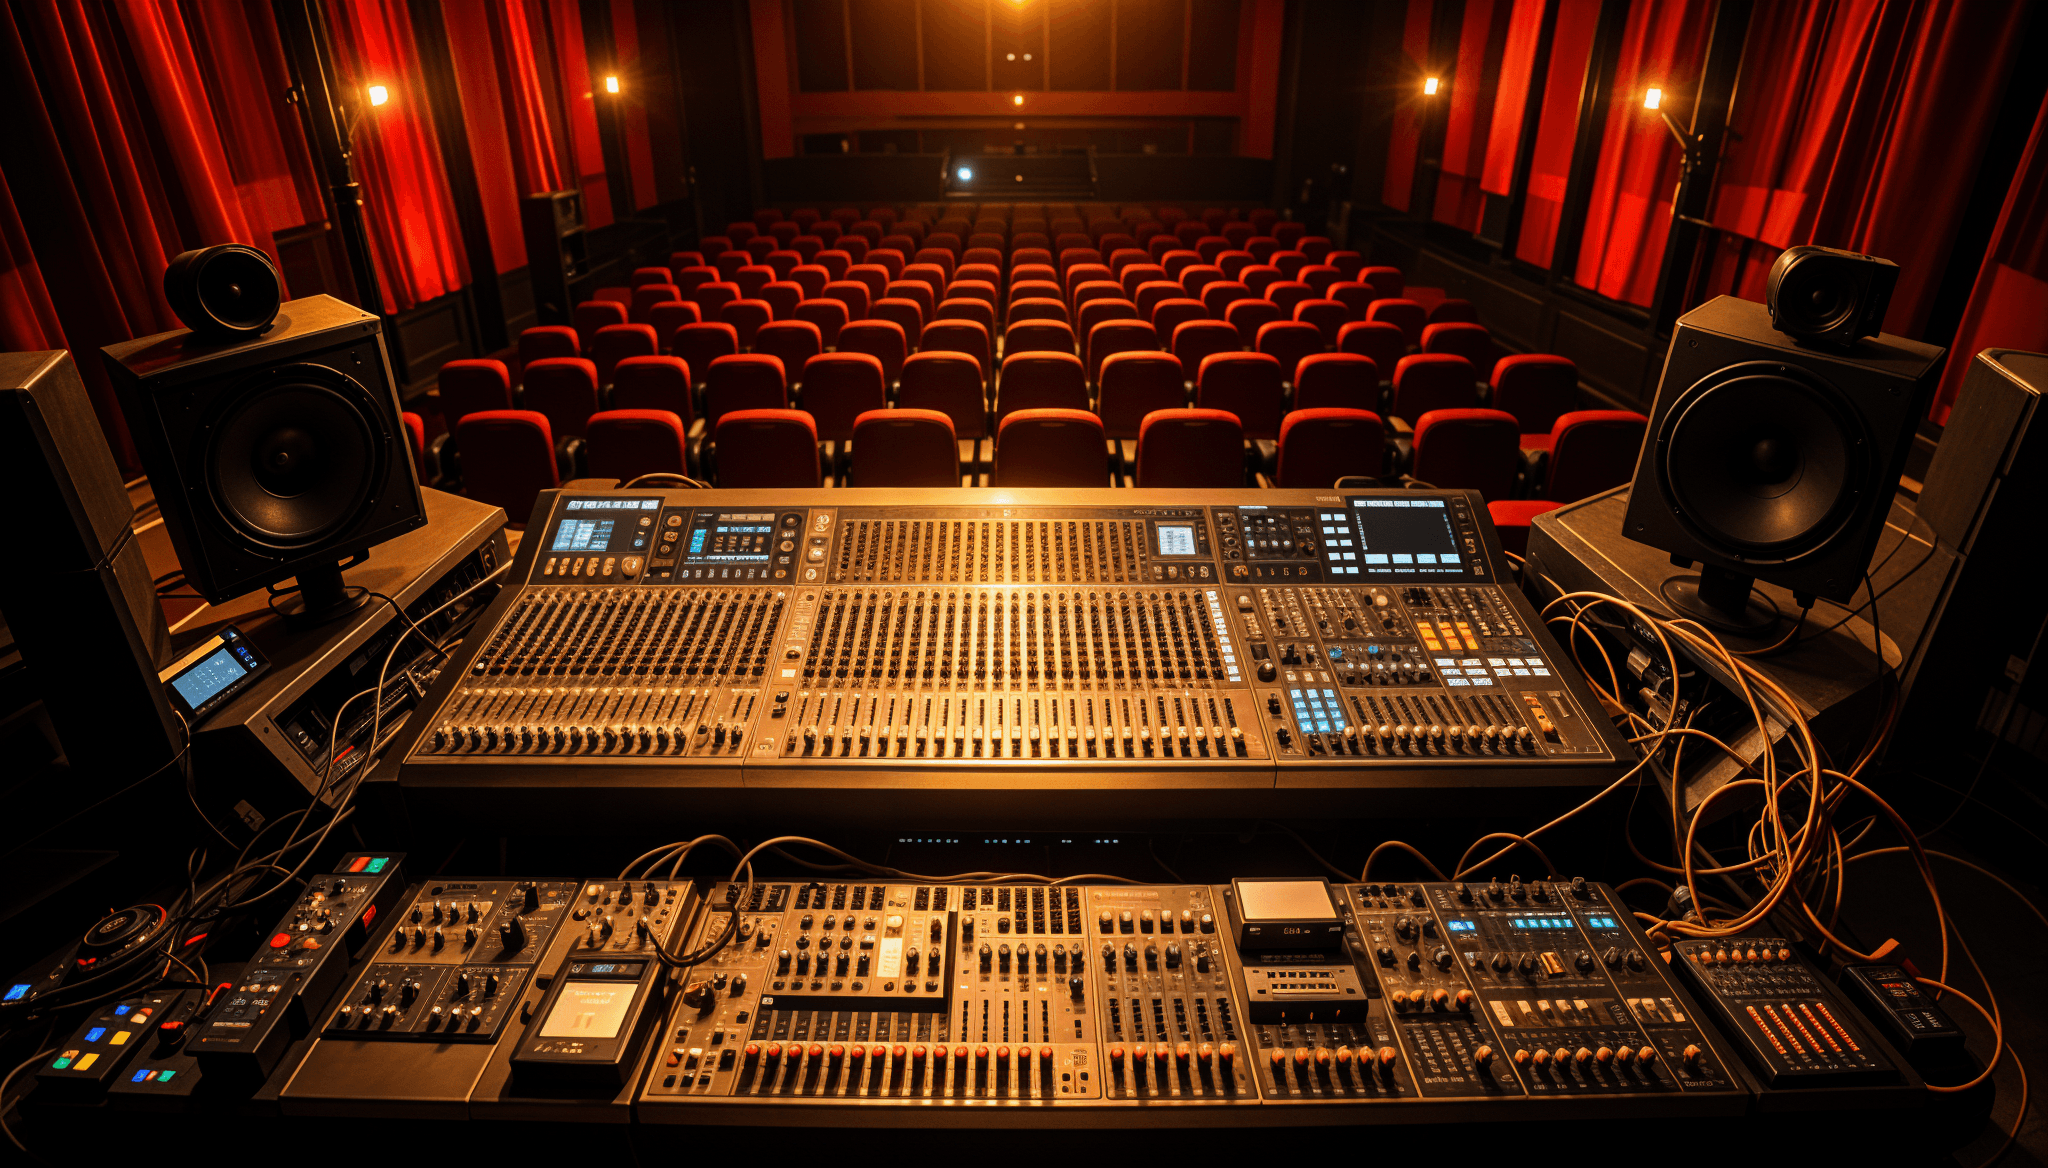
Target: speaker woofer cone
[(1763, 458), (295, 456)]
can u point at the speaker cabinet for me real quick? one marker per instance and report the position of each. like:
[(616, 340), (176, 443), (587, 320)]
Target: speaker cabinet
[(557, 251), (1772, 459), (272, 457), (76, 593)]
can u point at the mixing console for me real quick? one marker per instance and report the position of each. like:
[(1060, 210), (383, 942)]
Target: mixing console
[(1203, 640)]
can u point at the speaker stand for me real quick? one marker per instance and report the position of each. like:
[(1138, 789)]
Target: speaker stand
[(1720, 599), (322, 597)]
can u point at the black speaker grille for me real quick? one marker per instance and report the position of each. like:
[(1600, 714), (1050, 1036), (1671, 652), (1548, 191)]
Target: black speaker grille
[(295, 456), (1763, 457)]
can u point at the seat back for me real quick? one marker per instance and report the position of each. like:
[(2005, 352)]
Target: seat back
[(1176, 261), (1234, 262), (834, 260), (1289, 262), (1288, 294), (958, 336), (1355, 295), (917, 292), (1386, 282), (1153, 293), (853, 294), (508, 459), (904, 448), (550, 340), (1454, 310), (415, 443), (981, 290), (830, 315), (1405, 315), (781, 297), (1134, 276), (746, 317), (1249, 316), (905, 313), (932, 276), (665, 318), (1328, 316), (1118, 336), (616, 342), (1336, 381), (812, 278), (564, 389), (1040, 380), (950, 383), (1190, 448), (1196, 340), (1319, 446), (701, 344), (712, 297), (1347, 263), (1465, 339), (839, 387), (1038, 336), (1591, 451), (592, 315), (1219, 295), (1432, 381), (767, 448), (1051, 448), (692, 278), (1537, 388), (653, 383), (1036, 308), (980, 312), (1468, 449), (1375, 339), (793, 342), (1196, 277), (749, 381), (626, 443), (1287, 234), (1244, 384), (476, 385), (1289, 341), (1133, 384), (754, 277)]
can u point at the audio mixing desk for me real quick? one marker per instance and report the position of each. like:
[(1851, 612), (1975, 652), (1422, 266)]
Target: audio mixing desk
[(869, 654)]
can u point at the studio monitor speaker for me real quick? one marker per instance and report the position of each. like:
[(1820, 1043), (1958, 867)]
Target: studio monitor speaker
[(77, 595), (274, 456), (1773, 458)]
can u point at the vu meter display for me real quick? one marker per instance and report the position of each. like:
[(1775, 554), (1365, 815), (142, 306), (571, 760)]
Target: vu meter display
[(731, 538), (1176, 539)]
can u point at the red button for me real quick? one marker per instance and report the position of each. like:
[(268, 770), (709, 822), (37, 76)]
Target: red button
[(281, 940)]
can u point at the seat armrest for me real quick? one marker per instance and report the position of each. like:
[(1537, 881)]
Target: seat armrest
[(440, 450), (569, 456), (1531, 475)]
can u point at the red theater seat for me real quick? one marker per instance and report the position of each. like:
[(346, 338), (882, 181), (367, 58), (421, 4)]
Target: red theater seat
[(1590, 451), (1405, 315), (616, 342), (1249, 316), (654, 383), (592, 315), (829, 315), (1336, 381), (1463, 339), (1375, 339), (839, 387), (549, 340), (959, 336), (1424, 383), (1467, 449), (701, 344), (904, 448), (666, 318), (1289, 341), (750, 381), (980, 312), (624, 444), (1198, 340), (1537, 388), (746, 317), (903, 312), (1133, 384), (1038, 336), (1386, 282), (508, 459), (564, 389), (1118, 336), (1190, 449), (1453, 310), (1244, 384), (1328, 316), (1040, 380), (472, 386), (768, 448), (792, 342), (1320, 446), (1051, 448)]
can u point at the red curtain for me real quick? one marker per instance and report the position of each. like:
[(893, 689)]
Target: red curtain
[(502, 65), (579, 101), (414, 236), (639, 148), (1404, 141), (1517, 68), (124, 148), (1628, 211), (2008, 306), (1557, 128), (1473, 109), (1860, 125)]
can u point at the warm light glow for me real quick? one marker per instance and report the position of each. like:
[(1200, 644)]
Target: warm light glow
[(964, 174), (611, 84), (1429, 87), (379, 95), (1017, 100), (1653, 99)]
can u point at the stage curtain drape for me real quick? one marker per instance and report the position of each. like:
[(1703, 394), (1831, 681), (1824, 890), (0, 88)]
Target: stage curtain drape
[(2008, 307), (1628, 210), (504, 71), (579, 106), (1557, 128), (136, 129), (414, 236), (1404, 139), (1860, 124), (1475, 107), (1510, 106)]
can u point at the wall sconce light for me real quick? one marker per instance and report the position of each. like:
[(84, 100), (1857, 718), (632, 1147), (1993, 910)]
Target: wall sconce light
[(611, 83), (379, 95), (1430, 86), (1653, 99), (1017, 99)]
